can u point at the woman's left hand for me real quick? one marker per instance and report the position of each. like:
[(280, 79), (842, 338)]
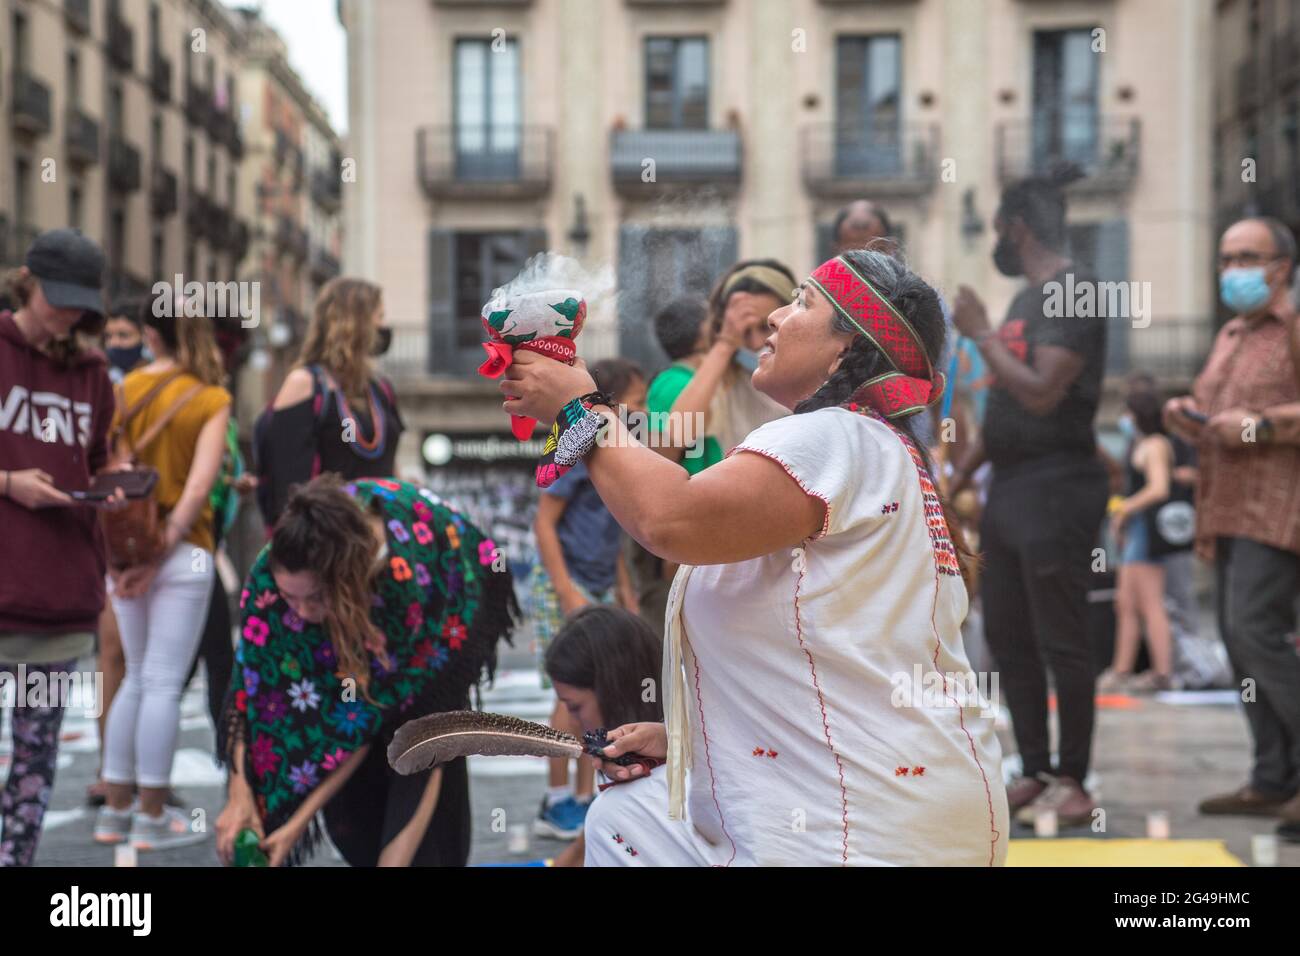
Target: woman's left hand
[(133, 582), (281, 841), (538, 387)]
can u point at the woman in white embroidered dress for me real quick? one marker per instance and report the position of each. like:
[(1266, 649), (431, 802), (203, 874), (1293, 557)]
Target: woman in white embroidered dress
[(817, 694)]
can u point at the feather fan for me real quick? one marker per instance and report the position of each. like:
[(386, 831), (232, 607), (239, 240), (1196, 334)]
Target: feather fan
[(428, 741)]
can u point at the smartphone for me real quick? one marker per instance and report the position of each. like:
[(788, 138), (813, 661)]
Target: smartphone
[(1195, 415), (134, 484)]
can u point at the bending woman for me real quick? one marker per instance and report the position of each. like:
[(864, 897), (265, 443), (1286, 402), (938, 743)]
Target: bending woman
[(795, 642), (375, 603)]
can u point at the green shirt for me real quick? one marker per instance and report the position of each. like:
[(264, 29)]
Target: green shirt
[(664, 390)]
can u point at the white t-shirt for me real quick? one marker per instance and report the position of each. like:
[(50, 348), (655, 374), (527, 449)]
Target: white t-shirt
[(816, 736)]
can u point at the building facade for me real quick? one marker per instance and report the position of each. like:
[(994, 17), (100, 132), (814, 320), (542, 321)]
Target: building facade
[(294, 186), (122, 118), (669, 139), (1257, 110)]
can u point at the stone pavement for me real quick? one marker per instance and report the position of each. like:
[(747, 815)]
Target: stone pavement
[(1151, 755)]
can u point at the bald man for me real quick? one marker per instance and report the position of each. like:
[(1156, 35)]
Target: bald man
[(857, 224)]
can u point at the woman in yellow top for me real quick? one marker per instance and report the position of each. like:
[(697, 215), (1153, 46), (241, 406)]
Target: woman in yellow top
[(161, 607)]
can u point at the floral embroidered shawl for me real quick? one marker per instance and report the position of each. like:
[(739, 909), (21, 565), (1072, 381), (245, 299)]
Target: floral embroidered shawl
[(442, 608)]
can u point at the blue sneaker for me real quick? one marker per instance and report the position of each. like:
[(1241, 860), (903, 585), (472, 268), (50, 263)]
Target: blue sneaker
[(563, 820)]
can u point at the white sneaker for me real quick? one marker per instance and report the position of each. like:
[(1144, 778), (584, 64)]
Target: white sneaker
[(112, 826), (171, 829)]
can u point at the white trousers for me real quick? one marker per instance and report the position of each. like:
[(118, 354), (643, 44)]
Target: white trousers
[(160, 634)]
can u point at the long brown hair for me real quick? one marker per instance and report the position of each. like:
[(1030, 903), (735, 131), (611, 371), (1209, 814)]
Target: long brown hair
[(190, 339), (341, 335), (323, 530)]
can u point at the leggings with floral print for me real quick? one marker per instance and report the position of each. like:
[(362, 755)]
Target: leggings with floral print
[(31, 775)]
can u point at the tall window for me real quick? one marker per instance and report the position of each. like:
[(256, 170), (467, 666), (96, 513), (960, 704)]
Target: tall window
[(154, 31), (156, 138), (484, 261), (22, 182), (488, 109), (676, 83), (1065, 106), (156, 253), (74, 206), (115, 109), (74, 79), (20, 43), (868, 108), (117, 238)]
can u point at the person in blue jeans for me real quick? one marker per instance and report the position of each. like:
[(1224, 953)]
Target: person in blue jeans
[(579, 546)]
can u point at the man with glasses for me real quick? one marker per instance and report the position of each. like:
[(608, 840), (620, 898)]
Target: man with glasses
[(1244, 416)]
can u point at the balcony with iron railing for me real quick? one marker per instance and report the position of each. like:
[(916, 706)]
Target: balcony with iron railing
[(31, 104), (220, 223), (198, 215), (15, 239), (77, 13), (123, 165), (291, 239), (121, 43), (846, 162), (1105, 148), (1248, 85), (240, 237), (646, 161), (160, 76), (324, 264), (164, 191), (1286, 57), (81, 136), (198, 104), (484, 162), (327, 189)]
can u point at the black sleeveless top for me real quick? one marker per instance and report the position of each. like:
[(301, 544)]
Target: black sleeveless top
[(324, 433), (1171, 524)]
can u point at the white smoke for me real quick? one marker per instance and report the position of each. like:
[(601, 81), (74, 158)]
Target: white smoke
[(551, 270)]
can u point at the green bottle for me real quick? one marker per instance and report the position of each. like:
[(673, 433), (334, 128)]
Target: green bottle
[(247, 849)]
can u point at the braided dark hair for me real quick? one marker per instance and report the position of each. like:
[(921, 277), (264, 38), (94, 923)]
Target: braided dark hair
[(919, 304)]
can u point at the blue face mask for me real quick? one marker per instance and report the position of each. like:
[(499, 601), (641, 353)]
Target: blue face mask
[(1126, 427), (746, 359), (1244, 290)]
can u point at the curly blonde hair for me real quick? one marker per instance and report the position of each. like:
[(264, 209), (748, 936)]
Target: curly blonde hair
[(341, 335)]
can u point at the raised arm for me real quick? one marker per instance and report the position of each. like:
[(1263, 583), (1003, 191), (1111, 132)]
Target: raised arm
[(706, 519)]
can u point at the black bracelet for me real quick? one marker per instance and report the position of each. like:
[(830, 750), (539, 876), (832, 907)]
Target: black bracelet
[(597, 398)]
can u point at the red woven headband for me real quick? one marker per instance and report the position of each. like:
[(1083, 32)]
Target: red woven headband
[(912, 384)]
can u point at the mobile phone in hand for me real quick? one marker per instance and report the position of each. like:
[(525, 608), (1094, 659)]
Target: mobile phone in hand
[(1195, 416), (137, 483)]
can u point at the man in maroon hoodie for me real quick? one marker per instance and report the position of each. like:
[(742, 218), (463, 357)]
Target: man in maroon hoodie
[(56, 405)]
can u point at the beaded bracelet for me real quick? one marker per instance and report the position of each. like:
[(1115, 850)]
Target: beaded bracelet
[(573, 436)]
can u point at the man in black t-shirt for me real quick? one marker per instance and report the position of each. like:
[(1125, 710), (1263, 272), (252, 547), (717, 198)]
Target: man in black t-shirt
[(1048, 494)]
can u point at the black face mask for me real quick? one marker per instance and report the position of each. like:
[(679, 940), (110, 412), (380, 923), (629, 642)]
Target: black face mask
[(125, 359), (1007, 257), (383, 341)]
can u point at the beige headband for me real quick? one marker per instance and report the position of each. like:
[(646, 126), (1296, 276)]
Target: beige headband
[(782, 285)]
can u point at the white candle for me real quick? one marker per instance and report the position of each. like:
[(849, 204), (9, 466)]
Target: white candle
[(519, 838), (1263, 849), (1045, 823), (1158, 825)]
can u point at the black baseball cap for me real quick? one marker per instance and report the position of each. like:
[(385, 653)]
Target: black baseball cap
[(70, 268)]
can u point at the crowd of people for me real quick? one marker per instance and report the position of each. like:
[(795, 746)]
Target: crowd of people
[(847, 409)]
